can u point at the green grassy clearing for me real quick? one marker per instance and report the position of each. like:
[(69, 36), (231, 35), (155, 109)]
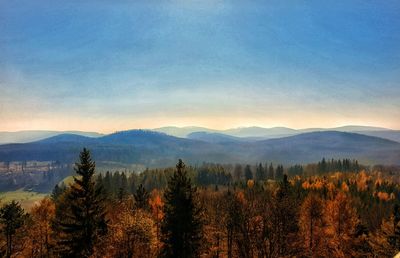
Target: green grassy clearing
[(27, 199)]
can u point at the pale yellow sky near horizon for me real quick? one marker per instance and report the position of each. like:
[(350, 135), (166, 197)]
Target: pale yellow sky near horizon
[(109, 125)]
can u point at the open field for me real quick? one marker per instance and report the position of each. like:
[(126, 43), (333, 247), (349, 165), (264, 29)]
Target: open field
[(26, 198)]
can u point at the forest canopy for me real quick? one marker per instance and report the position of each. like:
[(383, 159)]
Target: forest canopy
[(333, 207)]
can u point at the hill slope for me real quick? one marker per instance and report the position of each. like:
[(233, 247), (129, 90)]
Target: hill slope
[(254, 132), (309, 147), (36, 135), (154, 149)]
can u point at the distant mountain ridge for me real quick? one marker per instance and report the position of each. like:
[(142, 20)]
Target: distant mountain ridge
[(35, 135), (255, 132), (154, 149), (250, 133)]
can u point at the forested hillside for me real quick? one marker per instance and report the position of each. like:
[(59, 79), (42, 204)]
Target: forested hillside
[(333, 208)]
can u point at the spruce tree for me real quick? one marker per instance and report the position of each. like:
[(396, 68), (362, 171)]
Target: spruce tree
[(271, 173), (247, 173), (260, 173), (12, 217), (141, 197), (80, 215), (58, 190), (182, 225), (279, 172)]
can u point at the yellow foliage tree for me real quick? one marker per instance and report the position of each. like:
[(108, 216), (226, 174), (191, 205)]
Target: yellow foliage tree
[(341, 220), (131, 233), (39, 232)]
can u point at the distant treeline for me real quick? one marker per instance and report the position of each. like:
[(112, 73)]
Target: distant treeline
[(220, 175), (203, 175)]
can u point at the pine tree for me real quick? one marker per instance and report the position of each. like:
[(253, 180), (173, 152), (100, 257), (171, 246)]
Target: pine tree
[(260, 173), (271, 171), (284, 218), (58, 190), (279, 172), (107, 182), (247, 173), (80, 216), (182, 225), (12, 217), (141, 198)]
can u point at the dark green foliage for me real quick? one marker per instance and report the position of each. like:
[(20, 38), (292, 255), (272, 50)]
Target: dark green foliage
[(80, 217), (12, 217), (58, 190), (284, 217), (295, 170), (122, 194), (248, 174), (107, 183), (115, 184), (141, 198), (345, 165), (279, 172), (271, 173), (209, 174), (124, 182), (261, 173), (182, 225)]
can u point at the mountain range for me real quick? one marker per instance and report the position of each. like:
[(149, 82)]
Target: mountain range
[(278, 132), (248, 133), (154, 149), (35, 135)]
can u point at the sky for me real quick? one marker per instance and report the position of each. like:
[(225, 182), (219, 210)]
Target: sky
[(113, 65)]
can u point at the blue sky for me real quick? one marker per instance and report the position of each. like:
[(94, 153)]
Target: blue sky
[(113, 65)]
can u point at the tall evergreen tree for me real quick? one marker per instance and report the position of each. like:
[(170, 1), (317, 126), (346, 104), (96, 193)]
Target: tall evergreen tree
[(107, 184), (80, 217), (247, 173), (58, 190), (141, 197), (12, 217), (260, 173), (271, 171), (284, 217), (182, 227), (279, 172)]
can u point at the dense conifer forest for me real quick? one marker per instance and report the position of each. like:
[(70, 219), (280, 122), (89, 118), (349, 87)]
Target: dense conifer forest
[(336, 208)]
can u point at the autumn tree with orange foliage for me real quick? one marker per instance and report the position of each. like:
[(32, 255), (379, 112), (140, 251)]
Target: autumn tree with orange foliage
[(39, 231), (157, 205), (312, 226), (131, 232), (341, 220), (215, 221)]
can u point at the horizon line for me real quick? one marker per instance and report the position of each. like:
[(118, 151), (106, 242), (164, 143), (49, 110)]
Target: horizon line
[(205, 127)]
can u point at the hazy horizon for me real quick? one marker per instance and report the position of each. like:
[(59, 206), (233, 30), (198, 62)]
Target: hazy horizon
[(104, 67), (205, 127)]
